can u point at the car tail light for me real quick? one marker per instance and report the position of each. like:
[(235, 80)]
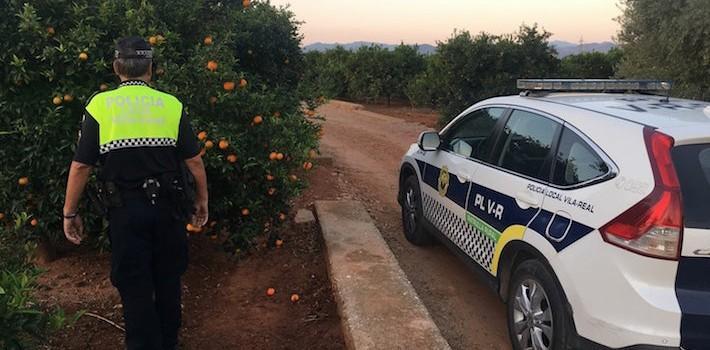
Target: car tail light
[(654, 226)]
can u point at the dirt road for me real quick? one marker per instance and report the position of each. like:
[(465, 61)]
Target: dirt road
[(367, 148)]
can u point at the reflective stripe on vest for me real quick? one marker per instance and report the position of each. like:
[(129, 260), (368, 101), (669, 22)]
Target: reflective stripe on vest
[(135, 116)]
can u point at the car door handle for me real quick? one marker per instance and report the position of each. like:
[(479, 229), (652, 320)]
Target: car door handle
[(526, 200), (465, 177)]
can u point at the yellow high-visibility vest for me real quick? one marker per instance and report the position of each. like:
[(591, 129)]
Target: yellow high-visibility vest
[(135, 116)]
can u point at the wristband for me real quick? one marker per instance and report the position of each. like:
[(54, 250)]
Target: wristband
[(70, 216)]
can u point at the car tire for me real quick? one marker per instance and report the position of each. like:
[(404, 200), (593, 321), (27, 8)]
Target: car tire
[(537, 312), (413, 214)]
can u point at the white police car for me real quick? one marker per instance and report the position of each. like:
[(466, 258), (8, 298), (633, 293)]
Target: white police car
[(588, 211)]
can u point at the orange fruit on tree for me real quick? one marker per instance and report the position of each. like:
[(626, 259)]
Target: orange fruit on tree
[(270, 291), (68, 98), (212, 66), (202, 135), (193, 229), (23, 181), (270, 177), (209, 144), (208, 40), (295, 298), (282, 216), (57, 100), (245, 212), (312, 153), (34, 222), (246, 3), (83, 56), (307, 165), (293, 177), (50, 30), (2, 216), (153, 40), (257, 120), (228, 85), (279, 156), (223, 144), (242, 83), (232, 158), (279, 243), (103, 87), (273, 156)]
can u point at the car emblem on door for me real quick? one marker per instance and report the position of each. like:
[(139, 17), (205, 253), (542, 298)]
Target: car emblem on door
[(443, 181), (703, 252)]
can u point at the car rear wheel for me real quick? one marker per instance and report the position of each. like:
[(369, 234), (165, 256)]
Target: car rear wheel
[(537, 316), (413, 214)]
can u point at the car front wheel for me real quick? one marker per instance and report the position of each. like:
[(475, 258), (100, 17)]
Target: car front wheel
[(412, 213)]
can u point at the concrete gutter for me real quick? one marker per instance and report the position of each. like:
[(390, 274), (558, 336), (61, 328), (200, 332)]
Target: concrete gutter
[(377, 304)]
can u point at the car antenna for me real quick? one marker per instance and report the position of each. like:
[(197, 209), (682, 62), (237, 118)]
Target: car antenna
[(668, 91)]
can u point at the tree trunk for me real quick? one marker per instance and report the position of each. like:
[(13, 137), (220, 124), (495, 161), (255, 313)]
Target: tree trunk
[(45, 252)]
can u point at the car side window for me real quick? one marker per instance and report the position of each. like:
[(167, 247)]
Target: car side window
[(473, 135), (576, 161), (526, 144)]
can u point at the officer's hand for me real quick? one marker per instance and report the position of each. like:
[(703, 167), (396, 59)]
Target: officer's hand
[(74, 229), (199, 219)]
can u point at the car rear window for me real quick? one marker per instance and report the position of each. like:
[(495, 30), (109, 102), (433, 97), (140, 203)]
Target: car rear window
[(692, 163), (576, 162)]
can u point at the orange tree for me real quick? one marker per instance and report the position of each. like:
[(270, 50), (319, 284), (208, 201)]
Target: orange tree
[(235, 65)]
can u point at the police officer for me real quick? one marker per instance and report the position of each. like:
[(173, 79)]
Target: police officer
[(141, 139)]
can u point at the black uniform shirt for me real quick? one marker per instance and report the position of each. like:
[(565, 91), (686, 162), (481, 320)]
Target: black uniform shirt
[(128, 167)]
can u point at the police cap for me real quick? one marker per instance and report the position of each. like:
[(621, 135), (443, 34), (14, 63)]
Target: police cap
[(133, 47)]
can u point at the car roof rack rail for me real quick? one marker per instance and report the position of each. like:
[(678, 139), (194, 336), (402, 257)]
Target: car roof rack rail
[(545, 86)]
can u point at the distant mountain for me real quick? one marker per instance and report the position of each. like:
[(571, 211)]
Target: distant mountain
[(563, 48), (423, 48)]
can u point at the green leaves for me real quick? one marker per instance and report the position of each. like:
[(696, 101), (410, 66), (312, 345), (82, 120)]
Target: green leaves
[(465, 69), (261, 45), (668, 40)]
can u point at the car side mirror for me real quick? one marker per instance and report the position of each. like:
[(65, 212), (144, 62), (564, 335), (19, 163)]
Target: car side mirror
[(429, 141)]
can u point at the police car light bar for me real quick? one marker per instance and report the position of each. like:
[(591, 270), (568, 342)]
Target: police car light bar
[(593, 85)]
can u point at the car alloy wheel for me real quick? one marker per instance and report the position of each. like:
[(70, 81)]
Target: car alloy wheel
[(410, 210), (532, 316)]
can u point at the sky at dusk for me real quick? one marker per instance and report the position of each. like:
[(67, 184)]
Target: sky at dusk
[(426, 22)]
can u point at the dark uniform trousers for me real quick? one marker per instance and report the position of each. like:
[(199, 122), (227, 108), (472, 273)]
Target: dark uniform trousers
[(149, 255)]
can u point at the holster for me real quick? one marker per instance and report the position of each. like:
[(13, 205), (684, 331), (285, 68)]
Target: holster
[(181, 191), (104, 195)]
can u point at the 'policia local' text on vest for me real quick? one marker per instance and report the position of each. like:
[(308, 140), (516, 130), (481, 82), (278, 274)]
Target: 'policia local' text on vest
[(135, 116)]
